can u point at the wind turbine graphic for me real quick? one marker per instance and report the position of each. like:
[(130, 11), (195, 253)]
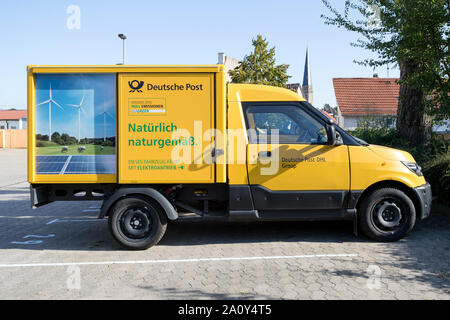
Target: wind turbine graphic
[(50, 101), (80, 108), (105, 113)]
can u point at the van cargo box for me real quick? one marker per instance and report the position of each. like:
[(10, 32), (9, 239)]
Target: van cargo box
[(125, 124)]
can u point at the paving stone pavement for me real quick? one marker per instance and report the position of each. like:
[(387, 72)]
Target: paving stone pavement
[(287, 262)]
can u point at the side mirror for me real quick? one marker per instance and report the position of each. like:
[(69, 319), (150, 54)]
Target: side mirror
[(331, 133)]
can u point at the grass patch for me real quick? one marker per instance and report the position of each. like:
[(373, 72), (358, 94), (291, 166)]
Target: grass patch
[(41, 144)]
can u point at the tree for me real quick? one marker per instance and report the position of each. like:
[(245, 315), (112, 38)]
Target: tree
[(68, 140), (65, 137), (42, 137), (259, 67), (415, 35), (56, 138)]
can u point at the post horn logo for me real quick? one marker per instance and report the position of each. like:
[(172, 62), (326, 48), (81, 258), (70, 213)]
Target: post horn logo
[(136, 85)]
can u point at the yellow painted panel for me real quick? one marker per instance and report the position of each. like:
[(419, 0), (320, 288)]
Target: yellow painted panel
[(300, 167), (75, 178), (369, 167), (31, 127), (236, 145), (221, 126), (162, 115), (254, 92), (122, 68)]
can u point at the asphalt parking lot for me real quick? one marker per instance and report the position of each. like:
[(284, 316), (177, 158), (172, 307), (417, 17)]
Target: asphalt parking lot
[(61, 251)]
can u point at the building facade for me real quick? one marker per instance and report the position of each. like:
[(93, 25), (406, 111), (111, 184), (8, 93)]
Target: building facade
[(365, 99), (297, 87), (13, 119), (229, 63)]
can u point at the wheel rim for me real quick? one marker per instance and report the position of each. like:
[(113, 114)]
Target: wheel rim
[(136, 223), (389, 214)]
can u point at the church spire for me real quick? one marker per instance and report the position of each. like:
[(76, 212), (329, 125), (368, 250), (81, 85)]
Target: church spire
[(307, 81)]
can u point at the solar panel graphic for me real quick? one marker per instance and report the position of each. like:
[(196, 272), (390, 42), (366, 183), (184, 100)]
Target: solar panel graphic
[(89, 164)]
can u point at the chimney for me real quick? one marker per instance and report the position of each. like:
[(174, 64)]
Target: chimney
[(221, 58)]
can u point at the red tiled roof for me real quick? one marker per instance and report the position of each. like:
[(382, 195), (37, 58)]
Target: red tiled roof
[(12, 114), (367, 96)]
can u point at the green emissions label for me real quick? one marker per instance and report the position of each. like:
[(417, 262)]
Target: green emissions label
[(146, 106)]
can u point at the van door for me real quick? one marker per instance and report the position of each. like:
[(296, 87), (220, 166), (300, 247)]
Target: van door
[(290, 166)]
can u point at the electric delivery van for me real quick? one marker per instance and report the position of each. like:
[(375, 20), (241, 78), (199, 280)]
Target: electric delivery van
[(161, 143)]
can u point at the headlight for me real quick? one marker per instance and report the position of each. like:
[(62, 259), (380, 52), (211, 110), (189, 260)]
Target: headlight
[(414, 167)]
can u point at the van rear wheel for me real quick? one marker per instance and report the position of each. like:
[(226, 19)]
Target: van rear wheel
[(387, 214), (137, 223)]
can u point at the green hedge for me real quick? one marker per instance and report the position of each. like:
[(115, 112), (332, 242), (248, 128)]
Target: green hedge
[(381, 132), (437, 173)]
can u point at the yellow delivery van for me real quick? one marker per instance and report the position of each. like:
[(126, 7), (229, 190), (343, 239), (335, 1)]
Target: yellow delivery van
[(161, 143)]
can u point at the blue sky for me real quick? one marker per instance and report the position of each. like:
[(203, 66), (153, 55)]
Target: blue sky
[(99, 96), (174, 32)]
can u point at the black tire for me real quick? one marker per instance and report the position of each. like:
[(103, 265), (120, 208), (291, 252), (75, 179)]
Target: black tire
[(137, 223), (387, 215)]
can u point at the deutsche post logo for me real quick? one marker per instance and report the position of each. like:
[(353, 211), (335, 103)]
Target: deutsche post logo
[(136, 85)]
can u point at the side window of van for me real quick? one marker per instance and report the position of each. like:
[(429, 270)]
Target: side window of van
[(293, 125)]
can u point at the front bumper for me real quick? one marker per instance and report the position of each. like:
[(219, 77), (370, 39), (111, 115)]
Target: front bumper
[(424, 195)]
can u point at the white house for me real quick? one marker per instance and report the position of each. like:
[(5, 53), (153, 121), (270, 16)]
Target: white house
[(360, 98), (13, 119), (229, 63)]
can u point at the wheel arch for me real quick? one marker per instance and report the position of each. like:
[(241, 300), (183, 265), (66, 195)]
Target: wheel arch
[(392, 184), (149, 193)]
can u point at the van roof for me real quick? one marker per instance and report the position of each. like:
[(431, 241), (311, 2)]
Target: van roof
[(123, 68)]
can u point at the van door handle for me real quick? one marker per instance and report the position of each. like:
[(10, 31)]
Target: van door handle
[(264, 154)]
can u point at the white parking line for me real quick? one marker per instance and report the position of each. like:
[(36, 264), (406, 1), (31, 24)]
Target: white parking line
[(51, 235), (306, 256), (27, 242), (53, 221), (74, 220)]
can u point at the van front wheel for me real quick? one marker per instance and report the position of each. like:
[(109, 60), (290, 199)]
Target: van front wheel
[(387, 214), (137, 223)]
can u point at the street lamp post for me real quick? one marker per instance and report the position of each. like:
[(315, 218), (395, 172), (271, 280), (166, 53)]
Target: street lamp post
[(123, 37)]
